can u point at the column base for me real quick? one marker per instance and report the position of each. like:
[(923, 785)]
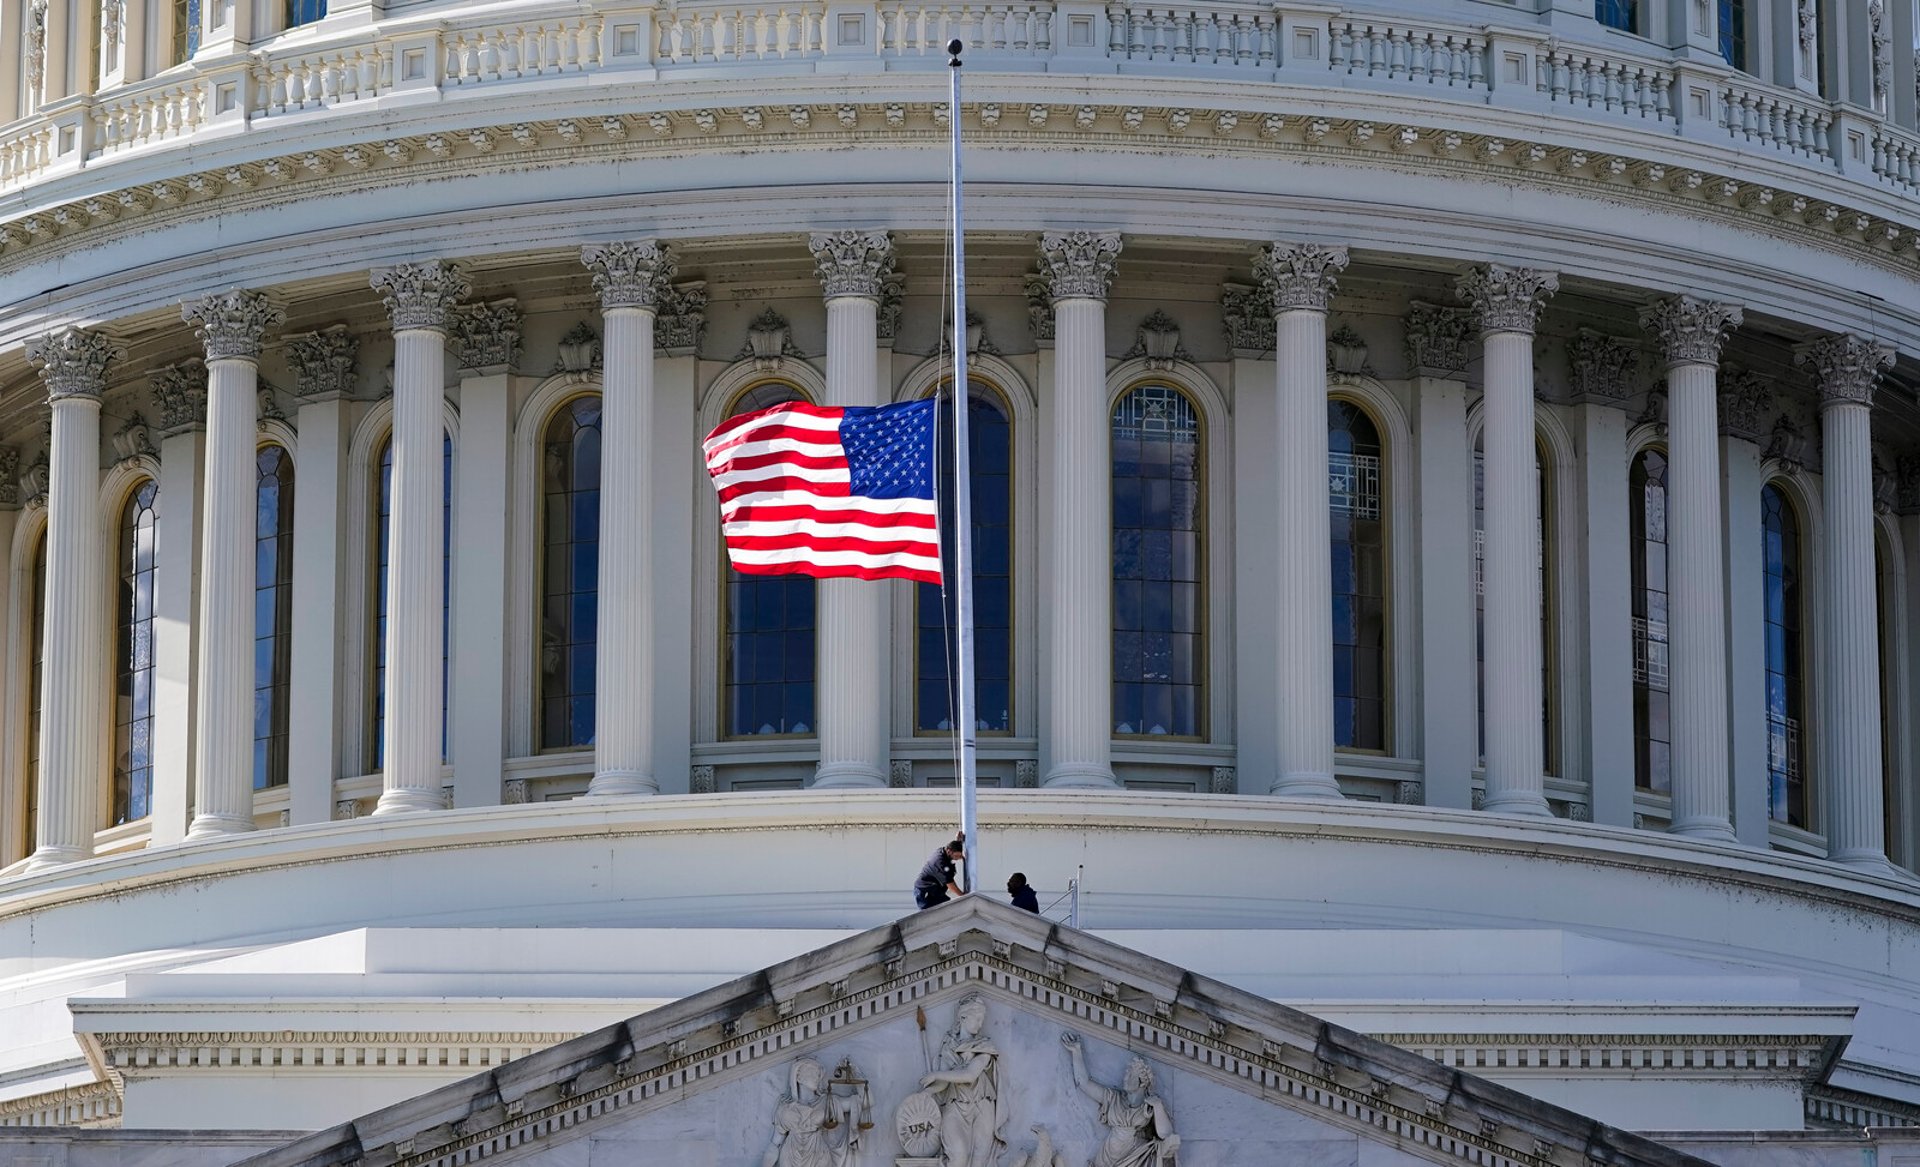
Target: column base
[(1866, 862), (848, 776), (1518, 802), (1081, 776), (208, 826), (47, 858), (1707, 829), (618, 783), (408, 800), (1306, 784)]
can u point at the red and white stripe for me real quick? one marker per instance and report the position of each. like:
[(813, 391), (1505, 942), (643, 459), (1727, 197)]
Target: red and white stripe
[(787, 506)]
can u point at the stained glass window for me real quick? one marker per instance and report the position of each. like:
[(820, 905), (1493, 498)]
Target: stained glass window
[(1356, 519), (1788, 788), (1159, 662), (134, 672), (1652, 701), (272, 615), (383, 547), (570, 573), (767, 657), (990, 463)]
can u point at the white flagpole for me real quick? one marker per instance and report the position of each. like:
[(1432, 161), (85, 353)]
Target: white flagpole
[(962, 493)]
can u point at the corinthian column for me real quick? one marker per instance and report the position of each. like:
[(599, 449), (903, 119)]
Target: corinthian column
[(230, 325), (631, 278), (855, 736), (73, 366), (1300, 277), (1078, 267), (1508, 302), (419, 298), (1691, 332), (1849, 368)]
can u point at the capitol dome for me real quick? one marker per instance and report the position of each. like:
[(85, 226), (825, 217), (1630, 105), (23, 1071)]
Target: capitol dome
[(1446, 514)]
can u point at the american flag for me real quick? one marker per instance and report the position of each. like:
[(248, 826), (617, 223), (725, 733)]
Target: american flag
[(829, 491)]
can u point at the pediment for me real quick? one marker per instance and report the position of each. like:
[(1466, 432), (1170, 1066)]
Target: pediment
[(827, 1056)]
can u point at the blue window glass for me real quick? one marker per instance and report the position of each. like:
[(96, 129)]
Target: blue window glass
[(272, 614), (990, 463), (1620, 14), (570, 573), (1544, 540), (1159, 665), (186, 30), (134, 674), (1356, 505), (1788, 789), (767, 623), (1733, 32), (382, 535), (1647, 541), (301, 12)]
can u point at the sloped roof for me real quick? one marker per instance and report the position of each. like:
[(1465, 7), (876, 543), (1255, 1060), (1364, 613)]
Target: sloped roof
[(1267, 1050)]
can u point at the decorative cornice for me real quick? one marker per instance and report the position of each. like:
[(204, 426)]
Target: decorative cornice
[(1690, 331), (1848, 367), (1078, 265), (852, 263), (420, 296), (1246, 315), (1602, 369), (73, 361), (487, 336), (1507, 299), (1439, 340), (680, 319), (630, 274), (323, 363), (1745, 398), (232, 324), (181, 392), (1299, 276)]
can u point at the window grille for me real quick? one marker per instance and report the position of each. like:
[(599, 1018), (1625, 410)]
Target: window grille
[(1783, 745), (1353, 485), (1650, 654)]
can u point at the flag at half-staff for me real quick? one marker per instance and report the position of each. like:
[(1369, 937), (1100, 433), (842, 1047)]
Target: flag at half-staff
[(829, 491)]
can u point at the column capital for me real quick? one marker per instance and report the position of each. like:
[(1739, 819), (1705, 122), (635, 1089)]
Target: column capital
[(323, 363), (1507, 299), (1847, 366), (420, 296), (487, 335), (1690, 330), (1437, 340), (73, 361), (852, 263), (1602, 369), (1299, 275), (630, 274), (1078, 265), (181, 392), (232, 324)]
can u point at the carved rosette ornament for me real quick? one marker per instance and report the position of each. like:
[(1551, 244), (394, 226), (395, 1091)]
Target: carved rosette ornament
[(487, 336), (852, 263), (1507, 299), (1079, 265), (181, 393), (232, 324), (680, 319), (1299, 276), (1745, 397), (72, 362), (1848, 367), (1602, 368), (1690, 331), (421, 296), (630, 275), (1438, 340), (323, 362)]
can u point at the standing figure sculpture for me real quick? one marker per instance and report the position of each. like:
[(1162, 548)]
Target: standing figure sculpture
[(965, 1079), (806, 1130), (1139, 1125)]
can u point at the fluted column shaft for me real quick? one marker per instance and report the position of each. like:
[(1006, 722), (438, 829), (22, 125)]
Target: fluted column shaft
[(230, 325), (1691, 332), (629, 277), (855, 734), (419, 297), (73, 365), (1079, 267), (1508, 301), (1849, 367)]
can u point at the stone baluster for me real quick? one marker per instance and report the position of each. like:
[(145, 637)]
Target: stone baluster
[(1849, 368), (855, 732), (1508, 301), (231, 325), (1300, 278), (631, 278), (73, 365), (419, 298), (1078, 267)]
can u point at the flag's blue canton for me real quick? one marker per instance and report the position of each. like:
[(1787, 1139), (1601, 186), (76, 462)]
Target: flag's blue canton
[(890, 449)]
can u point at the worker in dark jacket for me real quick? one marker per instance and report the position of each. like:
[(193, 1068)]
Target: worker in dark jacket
[(935, 883), (1023, 893)]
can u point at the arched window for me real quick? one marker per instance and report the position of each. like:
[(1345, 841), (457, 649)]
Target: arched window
[(1356, 501), (1543, 542), (35, 699), (383, 531), (1621, 14), (569, 572), (1788, 788), (767, 658), (301, 12), (1647, 543), (990, 465), (133, 656), (272, 614), (186, 30), (1159, 658)]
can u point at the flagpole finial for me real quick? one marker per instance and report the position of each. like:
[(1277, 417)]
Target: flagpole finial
[(953, 52)]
